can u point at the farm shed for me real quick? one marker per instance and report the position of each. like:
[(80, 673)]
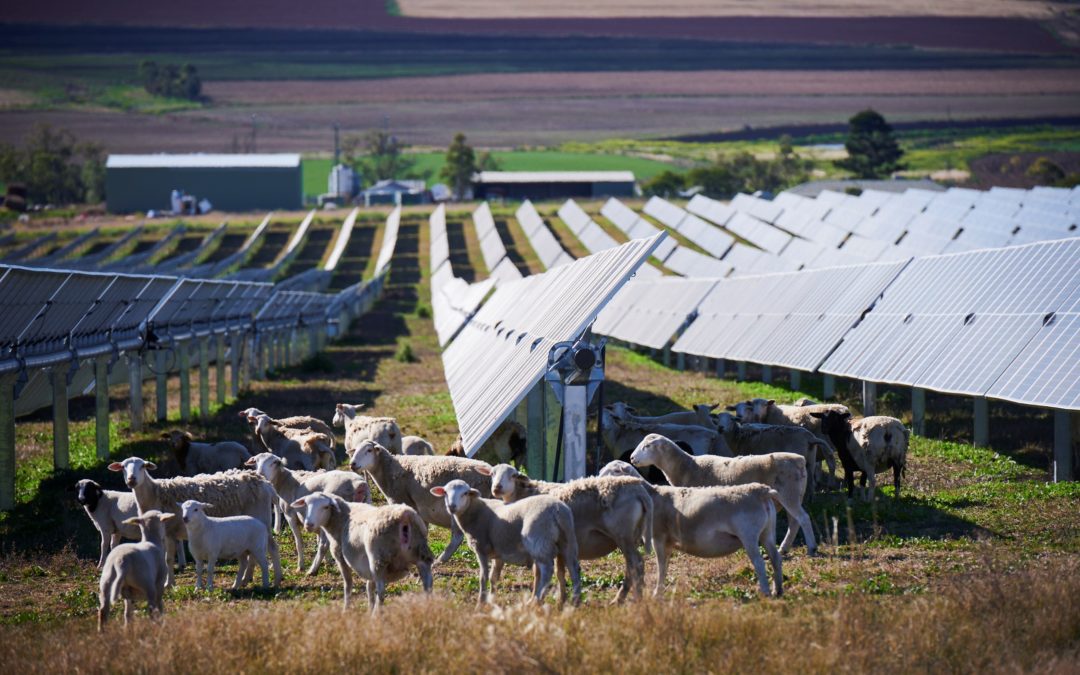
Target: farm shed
[(396, 191), (230, 182), (540, 185)]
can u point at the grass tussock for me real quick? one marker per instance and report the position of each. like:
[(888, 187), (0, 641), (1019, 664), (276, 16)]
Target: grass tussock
[(996, 620)]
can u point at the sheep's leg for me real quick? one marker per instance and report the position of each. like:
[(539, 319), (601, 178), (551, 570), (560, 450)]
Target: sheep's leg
[(294, 525), (346, 571), (896, 469), (199, 566), (560, 580), (275, 558), (456, 537), (768, 540), (811, 478), (544, 572), (241, 566), (484, 577), (370, 590), (181, 555), (129, 610), (792, 532), (798, 518), (278, 516), (496, 571), (320, 550), (105, 547), (103, 610), (265, 567), (575, 578), (754, 553), (634, 575), (660, 547), (170, 554), (424, 570), (380, 591), (211, 560)]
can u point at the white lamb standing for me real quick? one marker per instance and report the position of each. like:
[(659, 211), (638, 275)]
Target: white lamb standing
[(136, 571), (241, 537)]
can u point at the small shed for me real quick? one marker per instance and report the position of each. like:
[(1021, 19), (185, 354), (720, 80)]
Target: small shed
[(396, 191), (541, 185), (254, 182)]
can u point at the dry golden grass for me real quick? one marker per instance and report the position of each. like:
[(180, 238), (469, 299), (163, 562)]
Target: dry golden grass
[(599, 9)]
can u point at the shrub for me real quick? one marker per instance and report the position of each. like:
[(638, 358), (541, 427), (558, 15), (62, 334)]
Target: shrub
[(404, 353)]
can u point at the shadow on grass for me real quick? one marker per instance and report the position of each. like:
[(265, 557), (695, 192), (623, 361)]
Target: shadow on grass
[(459, 252), (511, 250)]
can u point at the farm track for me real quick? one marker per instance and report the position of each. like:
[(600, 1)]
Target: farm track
[(936, 569)]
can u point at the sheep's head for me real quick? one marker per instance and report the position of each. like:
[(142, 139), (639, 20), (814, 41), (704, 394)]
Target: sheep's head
[(134, 470), (505, 480), (263, 424), (317, 446), (317, 508), (458, 448), (344, 412), (619, 410), (87, 493), (177, 439), (744, 410), (192, 509), (266, 464), (151, 523), (251, 412), (835, 424), (725, 422), (619, 468), (649, 451), (457, 494), (365, 455)]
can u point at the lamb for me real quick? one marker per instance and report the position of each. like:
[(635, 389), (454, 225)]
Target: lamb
[(381, 544), (136, 571), (382, 430), (233, 493), (109, 511), (414, 445), (698, 416), (292, 485), (869, 445), (534, 532), (195, 458), (305, 450), (407, 480), (622, 436), (711, 523), (609, 514), (761, 439), (784, 472), (505, 446), (296, 422), (241, 537)]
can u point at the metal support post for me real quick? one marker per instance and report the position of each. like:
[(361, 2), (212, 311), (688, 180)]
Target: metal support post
[(135, 381), (796, 379), (236, 345), (828, 387), (740, 371), (1063, 445), (7, 441), (981, 437), (60, 417), (204, 379), (766, 374), (918, 411), (288, 347), (161, 385), (101, 406), (219, 363), (184, 359), (575, 438), (680, 361), (721, 367), (536, 431), (667, 355), (869, 398), (313, 342)]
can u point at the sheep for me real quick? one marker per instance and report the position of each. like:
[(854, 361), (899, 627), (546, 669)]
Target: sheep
[(297, 422), (506, 445), (233, 493), (765, 411), (195, 458), (292, 485), (305, 450), (622, 436), (407, 480), (711, 523), (760, 439), (698, 416), (534, 532), (136, 571), (380, 544), (241, 537), (414, 445), (784, 472), (109, 511), (869, 445), (382, 430), (609, 514)]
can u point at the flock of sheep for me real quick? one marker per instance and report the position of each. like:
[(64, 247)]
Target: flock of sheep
[(726, 474)]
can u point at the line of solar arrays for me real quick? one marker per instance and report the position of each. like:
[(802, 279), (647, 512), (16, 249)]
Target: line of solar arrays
[(542, 239), (501, 354), (453, 300), (500, 267)]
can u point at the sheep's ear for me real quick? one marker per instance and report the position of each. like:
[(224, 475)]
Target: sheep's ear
[(116, 466), (135, 522), (473, 492), (179, 505), (250, 461), (730, 407), (714, 406), (521, 479), (770, 402), (165, 517), (298, 504), (818, 415), (164, 436), (438, 491), (150, 466), (187, 435), (484, 470)]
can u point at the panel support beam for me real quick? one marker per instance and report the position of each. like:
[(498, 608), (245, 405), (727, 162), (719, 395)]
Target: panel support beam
[(1063, 445), (796, 379), (236, 345), (766, 374), (828, 386), (667, 355), (204, 379), (740, 371), (981, 435), (7, 441), (574, 432), (680, 361), (101, 406), (219, 365), (918, 411), (184, 360), (135, 382), (61, 450), (161, 384), (869, 398), (536, 431)]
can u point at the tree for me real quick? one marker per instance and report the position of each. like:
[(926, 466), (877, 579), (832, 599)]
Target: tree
[(664, 184), (487, 162), (55, 167), (170, 80), (872, 149), (460, 165), (377, 155)]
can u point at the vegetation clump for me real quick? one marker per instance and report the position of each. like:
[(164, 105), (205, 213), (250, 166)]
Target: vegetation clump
[(170, 80)]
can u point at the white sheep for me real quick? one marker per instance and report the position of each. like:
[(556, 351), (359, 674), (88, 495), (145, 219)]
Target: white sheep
[(304, 449), (297, 422), (407, 480), (110, 512), (358, 428), (761, 439), (195, 458), (241, 537), (381, 544), (870, 444), (537, 532), (711, 523), (784, 472), (136, 571), (621, 436), (233, 493), (699, 416), (292, 485), (414, 445), (506, 445), (609, 514)]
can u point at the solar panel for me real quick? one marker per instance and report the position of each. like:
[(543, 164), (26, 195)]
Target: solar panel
[(389, 242), (650, 312), (440, 240), (595, 239), (710, 209), (664, 211), (759, 233), (762, 209), (543, 241), (505, 272), (621, 215), (803, 217), (502, 353), (574, 216), (529, 219), (689, 263)]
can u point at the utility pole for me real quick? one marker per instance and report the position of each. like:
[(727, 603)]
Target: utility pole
[(254, 132), (337, 144)]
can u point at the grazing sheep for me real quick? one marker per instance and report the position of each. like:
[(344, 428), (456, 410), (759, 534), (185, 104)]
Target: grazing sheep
[(698, 416), (195, 458), (233, 493), (297, 422), (534, 532), (784, 472), (869, 445), (621, 436), (381, 544), (304, 450), (358, 428), (408, 480), (136, 571), (804, 402), (711, 523), (505, 446), (761, 439), (292, 485), (109, 511), (414, 445), (241, 537), (609, 514)]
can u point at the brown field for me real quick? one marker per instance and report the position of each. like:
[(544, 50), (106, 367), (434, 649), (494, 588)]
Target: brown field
[(544, 9), (1005, 26)]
